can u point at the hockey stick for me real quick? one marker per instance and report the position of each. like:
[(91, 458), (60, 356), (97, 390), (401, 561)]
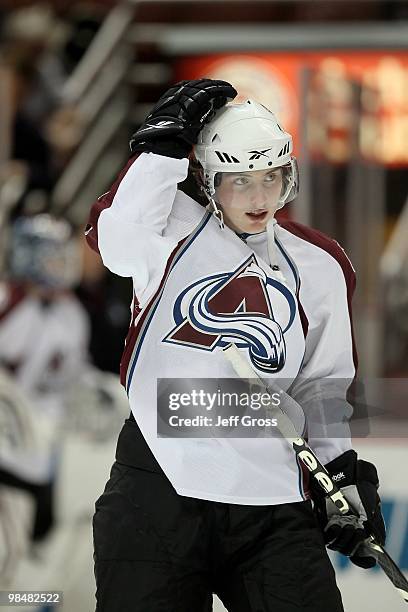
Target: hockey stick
[(316, 469)]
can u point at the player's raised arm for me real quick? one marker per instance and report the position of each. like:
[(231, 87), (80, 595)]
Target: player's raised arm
[(127, 223)]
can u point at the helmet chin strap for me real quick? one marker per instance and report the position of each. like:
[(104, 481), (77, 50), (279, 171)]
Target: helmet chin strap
[(217, 212)]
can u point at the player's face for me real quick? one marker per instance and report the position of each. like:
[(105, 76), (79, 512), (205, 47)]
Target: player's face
[(249, 199)]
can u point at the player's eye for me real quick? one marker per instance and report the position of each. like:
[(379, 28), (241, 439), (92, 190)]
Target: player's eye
[(241, 180), (271, 178)]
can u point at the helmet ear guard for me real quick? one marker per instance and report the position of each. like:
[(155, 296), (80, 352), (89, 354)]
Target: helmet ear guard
[(290, 176)]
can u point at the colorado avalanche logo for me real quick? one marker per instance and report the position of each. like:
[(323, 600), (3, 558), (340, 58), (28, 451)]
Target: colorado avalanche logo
[(236, 307)]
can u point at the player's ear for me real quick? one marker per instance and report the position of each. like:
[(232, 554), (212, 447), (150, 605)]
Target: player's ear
[(218, 179)]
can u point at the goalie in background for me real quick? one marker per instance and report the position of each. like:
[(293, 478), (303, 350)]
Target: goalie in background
[(44, 333)]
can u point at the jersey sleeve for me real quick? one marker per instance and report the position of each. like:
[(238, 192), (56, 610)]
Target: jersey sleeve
[(127, 224), (330, 361)]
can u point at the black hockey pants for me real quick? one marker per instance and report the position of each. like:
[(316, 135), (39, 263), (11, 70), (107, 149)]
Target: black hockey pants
[(157, 551)]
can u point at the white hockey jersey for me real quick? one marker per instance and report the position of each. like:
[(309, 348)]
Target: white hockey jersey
[(198, 288)]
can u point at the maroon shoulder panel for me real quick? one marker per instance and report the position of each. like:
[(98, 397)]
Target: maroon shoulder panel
[(134, 330), (332, 247), (104, 201), (15, 295)]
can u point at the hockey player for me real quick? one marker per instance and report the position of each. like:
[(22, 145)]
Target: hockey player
[(43, 340), (51, 400), (181, 519)]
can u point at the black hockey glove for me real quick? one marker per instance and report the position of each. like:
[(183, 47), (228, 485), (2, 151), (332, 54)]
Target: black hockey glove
[(173, 126), (358, 481)]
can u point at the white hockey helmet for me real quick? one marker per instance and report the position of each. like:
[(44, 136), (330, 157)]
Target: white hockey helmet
[(244, 137)]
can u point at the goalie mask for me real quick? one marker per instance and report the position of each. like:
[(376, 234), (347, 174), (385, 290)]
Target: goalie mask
[(43, 252), (243, 138)]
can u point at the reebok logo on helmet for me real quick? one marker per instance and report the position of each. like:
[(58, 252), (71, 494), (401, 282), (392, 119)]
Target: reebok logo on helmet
[(258, 154)]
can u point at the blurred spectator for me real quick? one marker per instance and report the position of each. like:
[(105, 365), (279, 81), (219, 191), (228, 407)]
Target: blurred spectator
[(85, 21), (44, 129), (34, 32), (28, 142)]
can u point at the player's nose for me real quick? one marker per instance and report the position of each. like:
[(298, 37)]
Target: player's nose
[(258, 197)]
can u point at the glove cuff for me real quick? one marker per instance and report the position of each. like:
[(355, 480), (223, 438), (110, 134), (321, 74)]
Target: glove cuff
[(343, 469), (169, 148)]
